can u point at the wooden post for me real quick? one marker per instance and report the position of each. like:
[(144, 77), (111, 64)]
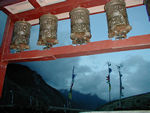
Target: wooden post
[(4, 51), (3, 67)]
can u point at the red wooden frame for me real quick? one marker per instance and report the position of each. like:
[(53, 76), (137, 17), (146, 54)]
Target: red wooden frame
[(106, 46), (99, 47), (58, 8)]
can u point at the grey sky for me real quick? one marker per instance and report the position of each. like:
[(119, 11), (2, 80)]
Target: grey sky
[(136, 77)]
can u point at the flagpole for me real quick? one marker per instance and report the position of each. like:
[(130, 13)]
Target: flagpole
[(109, 83), (109, 64), (121, 87), (72, 83), (73, 70)]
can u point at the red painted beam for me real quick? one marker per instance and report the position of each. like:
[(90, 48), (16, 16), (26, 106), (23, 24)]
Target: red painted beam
[(0, 54), (4, 3), (7, 37), (99, 47), (106, 46), (34, 3), (3, 67), (58, 8), (35, 55), (6, 11), (4, 50)]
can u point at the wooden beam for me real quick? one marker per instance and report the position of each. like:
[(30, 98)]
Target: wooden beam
[(9, 2), (7, 37), (34, 3), (4, 50), (65, 7), (6, 11), (0, 53), (99, 47), (3, 67), (35, 55), (61, 9)]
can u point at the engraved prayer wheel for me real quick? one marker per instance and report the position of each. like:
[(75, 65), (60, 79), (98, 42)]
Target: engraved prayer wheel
[(21, 35), (48, 30), (80, 26), (117, 19)]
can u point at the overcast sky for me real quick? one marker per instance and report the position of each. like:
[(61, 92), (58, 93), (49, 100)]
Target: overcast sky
[(92, 70)]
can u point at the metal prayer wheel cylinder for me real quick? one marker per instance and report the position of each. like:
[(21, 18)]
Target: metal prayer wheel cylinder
[(117, 19), (48, 30), (80, 26), (21, 35)]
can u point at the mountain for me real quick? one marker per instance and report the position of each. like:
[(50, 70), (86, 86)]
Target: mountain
[(136, 102), (83, 101), (23, 86)]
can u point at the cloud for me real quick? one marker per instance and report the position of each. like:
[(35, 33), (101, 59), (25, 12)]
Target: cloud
[(137, 78), (55, 73), (93, 83), (58, 73)]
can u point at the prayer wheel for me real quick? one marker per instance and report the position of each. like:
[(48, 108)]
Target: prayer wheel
[(48, 30), (80, 26), (21, 35), (117, 19)]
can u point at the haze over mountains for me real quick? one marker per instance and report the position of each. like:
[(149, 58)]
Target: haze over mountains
[(84, 101)]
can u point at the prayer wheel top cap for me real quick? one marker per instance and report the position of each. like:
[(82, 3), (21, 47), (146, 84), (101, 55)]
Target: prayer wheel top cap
[(48, 16), (25, 22), (80, 9), (114, 2)]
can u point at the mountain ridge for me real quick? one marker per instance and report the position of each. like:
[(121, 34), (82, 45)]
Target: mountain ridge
[(24, 85), (83, 101)]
